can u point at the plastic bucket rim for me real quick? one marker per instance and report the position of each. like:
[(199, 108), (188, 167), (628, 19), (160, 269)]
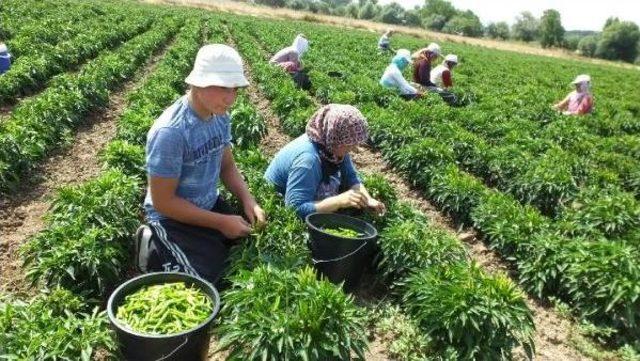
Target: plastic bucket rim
[(114, 320), (338, 215)]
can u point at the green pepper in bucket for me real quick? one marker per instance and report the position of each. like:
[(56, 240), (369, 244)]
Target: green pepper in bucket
[(343, 232), (163, 316), (165, 309)]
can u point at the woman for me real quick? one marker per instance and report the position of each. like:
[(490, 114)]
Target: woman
[(422, 66), (315, 172), (393, 78), (580, 101), (384, 41), (289, 58), (441, 74)]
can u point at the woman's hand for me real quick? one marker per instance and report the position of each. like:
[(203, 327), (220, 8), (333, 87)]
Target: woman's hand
[(353, 198), (377, 206), (254, 213)]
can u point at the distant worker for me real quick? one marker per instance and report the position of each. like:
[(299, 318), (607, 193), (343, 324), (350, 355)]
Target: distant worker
[(422, 65), (393, 78), (580, 101), (290, 59), (5, 58), (384, 44), (424, 76), (441, 74)]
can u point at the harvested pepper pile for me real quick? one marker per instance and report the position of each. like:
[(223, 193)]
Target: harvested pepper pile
[(165, 309), (343, 232)]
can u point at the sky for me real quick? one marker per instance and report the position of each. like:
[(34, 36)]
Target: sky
[(575, 14)]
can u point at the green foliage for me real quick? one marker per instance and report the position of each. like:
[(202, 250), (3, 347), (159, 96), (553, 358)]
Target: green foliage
[(128, 158), (480, 315), (52, 326), (551, 30), (409, 246), (588, 45), (465, 23), (247, 126), (392, 13), (406, 342), (609, 211), (526, 27), (272, 314), (85, 245), (499, 30), (619, 40), (368, 11), (45, 122)]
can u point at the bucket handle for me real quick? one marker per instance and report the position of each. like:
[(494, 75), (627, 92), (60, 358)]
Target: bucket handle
[(317, 261), (186, 339)]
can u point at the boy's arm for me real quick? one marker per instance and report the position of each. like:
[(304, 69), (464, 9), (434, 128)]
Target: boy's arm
[(165, 201), (233, 181)]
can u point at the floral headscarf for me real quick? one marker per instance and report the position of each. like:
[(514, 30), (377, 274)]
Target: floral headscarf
[(334, 125)]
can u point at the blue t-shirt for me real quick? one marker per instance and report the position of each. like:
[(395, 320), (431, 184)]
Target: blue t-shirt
[(182, 146), (296, 172)]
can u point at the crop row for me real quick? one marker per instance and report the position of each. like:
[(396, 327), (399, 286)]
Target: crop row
[(85, 247), (598, 277), (47, 120), (31, 73), (415, 256)]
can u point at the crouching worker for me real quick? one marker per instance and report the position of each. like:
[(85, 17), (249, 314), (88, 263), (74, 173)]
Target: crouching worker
[(384, 43), (393, 78), (188, 151), (290, 60), (5, 58), (315, 172), (580, 101)]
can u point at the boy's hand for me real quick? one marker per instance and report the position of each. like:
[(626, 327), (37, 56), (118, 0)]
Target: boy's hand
[(234, 227), (255, 214)]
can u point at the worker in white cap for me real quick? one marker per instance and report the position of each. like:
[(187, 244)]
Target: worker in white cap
[(393, 78), (384, 43), (188, 151), (422, 65), (441, 74), (579, 101)]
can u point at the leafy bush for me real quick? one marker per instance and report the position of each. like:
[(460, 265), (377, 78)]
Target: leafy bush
[(52, 326), (481, 316), (85, 245), (272, 314), (409, 246), (128, 158)]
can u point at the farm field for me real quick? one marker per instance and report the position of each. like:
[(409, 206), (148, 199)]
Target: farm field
[(553, 201)]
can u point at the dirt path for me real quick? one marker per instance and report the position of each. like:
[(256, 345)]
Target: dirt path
[(21, 213), (243, 8)]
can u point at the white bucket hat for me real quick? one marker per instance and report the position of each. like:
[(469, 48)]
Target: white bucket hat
[(582, 78), (451, 58), (3, 48), (217, 65)]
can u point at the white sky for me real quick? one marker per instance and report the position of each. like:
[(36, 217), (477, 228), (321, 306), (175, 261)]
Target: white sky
[(576, 14)]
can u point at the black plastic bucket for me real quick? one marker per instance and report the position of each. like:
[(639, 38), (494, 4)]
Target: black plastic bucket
[(338, 258), (185, 346)]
